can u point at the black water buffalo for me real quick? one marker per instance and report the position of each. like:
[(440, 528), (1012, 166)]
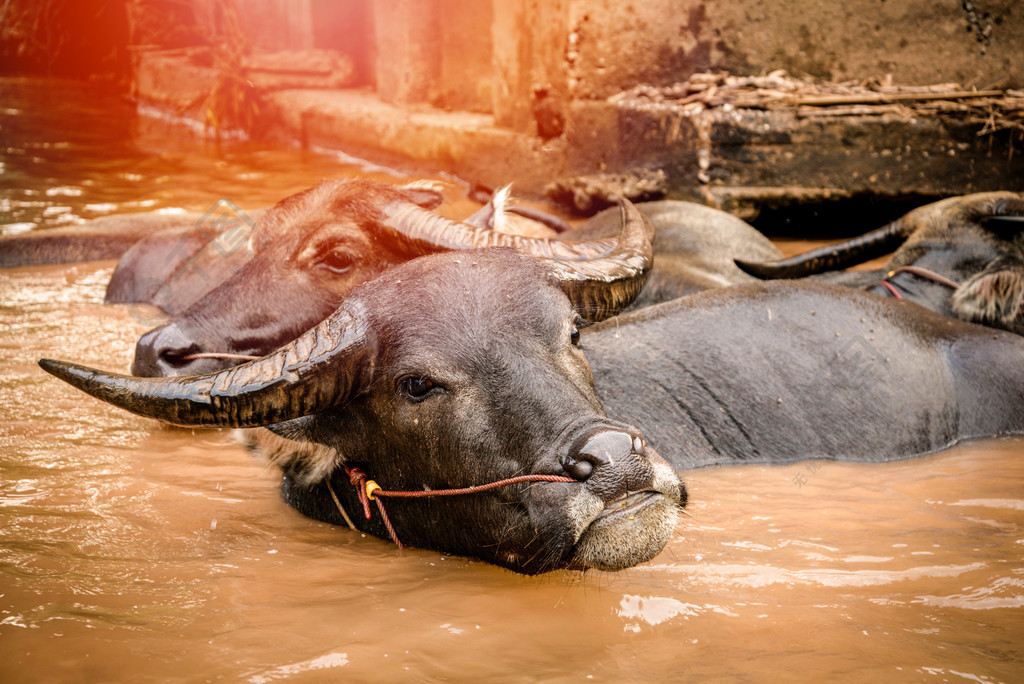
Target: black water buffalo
[(695, 248), (962, 257), (461, 369), (483, 381)]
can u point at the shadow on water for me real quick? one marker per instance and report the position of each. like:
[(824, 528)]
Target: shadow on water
[(130, 551)]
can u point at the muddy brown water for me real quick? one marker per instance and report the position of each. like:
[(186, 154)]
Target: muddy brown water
[(135, 552)]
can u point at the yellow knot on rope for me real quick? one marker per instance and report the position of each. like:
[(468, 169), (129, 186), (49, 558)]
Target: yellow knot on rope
[(371, 487)]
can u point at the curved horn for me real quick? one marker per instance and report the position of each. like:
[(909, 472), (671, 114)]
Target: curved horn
[(1008, 225), (601, 277), (833, 257), (602, 287), (423, 232), (286, 384)]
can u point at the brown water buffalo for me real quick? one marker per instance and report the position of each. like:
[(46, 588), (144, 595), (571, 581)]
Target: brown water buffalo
[(175, 267), (962, 257), (313, 247), (299, 259), (466, 368)]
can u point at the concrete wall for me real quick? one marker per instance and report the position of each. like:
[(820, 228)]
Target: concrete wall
[(499, 90), (591, 49), (620, 44), (524, 60), (277, 24)]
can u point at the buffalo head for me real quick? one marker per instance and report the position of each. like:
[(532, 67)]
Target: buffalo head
[(961, 257), (452, 370)]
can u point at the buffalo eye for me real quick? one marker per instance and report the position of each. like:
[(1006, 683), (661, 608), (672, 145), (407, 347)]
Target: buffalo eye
[(417, 388), (338, 260), (574, 333)]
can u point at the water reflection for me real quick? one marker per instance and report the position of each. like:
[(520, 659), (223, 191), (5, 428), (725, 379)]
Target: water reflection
[(654, 610), (72, 152), (325, 662)]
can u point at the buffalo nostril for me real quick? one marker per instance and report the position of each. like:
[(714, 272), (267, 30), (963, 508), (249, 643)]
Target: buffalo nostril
[(178, 358), (595, 450), (579, 470)]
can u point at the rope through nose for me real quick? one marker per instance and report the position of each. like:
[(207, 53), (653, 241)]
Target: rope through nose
[(368, 490)]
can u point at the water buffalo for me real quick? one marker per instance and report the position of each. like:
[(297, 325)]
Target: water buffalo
[(175, 268), (300, 259), (962, 257), (312, 248), (464, 368)]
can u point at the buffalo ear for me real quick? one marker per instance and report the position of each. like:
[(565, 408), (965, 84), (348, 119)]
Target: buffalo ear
[(292, 445), (296, 429), (994, 296), (329, 428), (424, 194)]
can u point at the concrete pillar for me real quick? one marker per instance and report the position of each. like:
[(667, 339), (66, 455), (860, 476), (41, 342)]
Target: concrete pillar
[(277, 24), (531, 41), (408, 50), (467, 64), (347, 26)]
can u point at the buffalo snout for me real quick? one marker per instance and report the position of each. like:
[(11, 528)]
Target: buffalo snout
[(627, 507)]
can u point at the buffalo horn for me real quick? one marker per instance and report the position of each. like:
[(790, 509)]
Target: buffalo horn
[(600, 288), (832, 257), (599, 276), (1006, 218), (425, 232), (286, 384)]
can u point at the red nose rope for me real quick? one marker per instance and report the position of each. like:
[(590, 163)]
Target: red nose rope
[(925, 273), (368, 491)]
